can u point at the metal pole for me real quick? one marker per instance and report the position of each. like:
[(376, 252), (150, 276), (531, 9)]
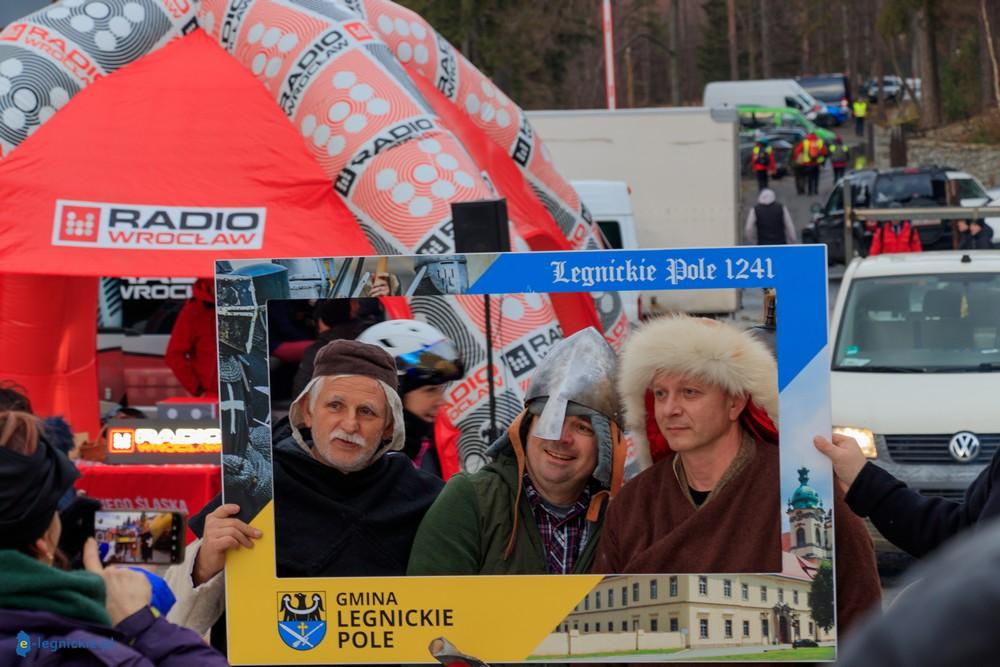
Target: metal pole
[(608, 28), (848, 197), (489, 369)]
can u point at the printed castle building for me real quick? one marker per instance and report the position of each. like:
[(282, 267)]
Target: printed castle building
[(810, 524), (689, 610)]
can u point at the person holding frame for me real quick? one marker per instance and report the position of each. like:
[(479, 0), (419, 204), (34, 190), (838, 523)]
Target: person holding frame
[(703, 396)]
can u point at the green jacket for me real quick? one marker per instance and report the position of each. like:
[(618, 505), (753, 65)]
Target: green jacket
[(467, 529)]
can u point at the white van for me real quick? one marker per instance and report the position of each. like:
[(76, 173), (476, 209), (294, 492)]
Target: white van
[(610, 206), (764, 93), (915, 360)]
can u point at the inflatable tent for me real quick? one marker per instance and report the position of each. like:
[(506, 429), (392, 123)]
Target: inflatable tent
[(135, 143)]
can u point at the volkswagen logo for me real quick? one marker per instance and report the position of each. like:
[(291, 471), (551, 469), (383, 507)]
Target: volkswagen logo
[(964, 447)]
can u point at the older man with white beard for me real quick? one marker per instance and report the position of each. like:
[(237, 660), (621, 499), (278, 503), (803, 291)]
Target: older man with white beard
[(346, 502)]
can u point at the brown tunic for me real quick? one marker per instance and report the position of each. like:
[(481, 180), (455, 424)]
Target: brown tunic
[(652, 526)]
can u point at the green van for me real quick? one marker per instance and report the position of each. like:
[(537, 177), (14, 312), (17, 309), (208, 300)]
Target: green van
[(755, 117)]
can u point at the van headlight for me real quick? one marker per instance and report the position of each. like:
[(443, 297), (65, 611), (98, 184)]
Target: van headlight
[(863, 436)]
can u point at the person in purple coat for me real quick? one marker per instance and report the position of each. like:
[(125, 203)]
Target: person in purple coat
[(50, 615)]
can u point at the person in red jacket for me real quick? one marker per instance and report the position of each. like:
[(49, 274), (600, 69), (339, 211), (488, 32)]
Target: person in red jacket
[(191, 353), (895, 236)]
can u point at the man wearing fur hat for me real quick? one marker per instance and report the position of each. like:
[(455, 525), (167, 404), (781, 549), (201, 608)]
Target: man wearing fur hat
[(702, 397), (345, 502), (538, 508)]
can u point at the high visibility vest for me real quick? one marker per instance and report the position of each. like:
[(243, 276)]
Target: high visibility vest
[(860, 109), (767, 153)]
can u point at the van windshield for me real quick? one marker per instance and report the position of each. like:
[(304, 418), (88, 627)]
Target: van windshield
[(921, 324)]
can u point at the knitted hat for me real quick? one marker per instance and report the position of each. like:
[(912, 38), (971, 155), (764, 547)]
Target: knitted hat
[(709, 350), (345, 358), (351, 357)]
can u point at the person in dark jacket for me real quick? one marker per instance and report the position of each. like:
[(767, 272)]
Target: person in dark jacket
[(346, 502), (946, 614), (915, 523), (974, 235), (539, 507), (191, 352), (335, 319), (769, 223), (103, 614), (839, 154)]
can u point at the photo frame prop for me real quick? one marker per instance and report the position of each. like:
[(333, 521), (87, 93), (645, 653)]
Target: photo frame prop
[(514, 618)]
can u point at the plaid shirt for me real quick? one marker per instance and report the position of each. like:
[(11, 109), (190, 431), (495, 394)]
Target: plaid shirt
[(563, 537)]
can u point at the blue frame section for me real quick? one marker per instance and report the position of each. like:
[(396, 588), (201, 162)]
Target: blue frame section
[(797, 272)]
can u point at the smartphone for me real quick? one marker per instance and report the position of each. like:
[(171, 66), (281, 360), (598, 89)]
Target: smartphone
[(139, 536)]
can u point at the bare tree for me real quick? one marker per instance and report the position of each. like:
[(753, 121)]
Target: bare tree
[(805, 29), (765, 42), (987, 29), (672, 55), (846, 39), (734, 68), (930, 83)]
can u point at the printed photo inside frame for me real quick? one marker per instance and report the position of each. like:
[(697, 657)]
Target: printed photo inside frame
[(354, 568)]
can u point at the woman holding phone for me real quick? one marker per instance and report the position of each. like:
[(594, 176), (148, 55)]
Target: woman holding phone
[(102, 614)]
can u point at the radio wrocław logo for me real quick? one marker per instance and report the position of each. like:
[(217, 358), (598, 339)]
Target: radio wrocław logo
[(130, 226)]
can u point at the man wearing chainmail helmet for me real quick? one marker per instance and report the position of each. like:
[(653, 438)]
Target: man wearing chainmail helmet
[(538, 508)]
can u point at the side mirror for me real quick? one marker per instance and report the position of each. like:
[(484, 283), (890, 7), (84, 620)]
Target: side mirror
[(816, 207)]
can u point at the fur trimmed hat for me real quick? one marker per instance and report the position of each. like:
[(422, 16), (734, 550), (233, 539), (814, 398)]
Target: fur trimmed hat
[(706, 349)]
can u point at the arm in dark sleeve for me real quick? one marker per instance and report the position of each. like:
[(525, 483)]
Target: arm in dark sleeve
[(449, 538), (180, 344), (915, 523), (859, 589), (165, 644)]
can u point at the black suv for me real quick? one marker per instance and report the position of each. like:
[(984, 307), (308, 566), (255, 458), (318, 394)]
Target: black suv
[(828, 219), (910, 187)]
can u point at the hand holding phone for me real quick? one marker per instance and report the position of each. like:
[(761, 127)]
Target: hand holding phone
[(128, 591), (139, 536)]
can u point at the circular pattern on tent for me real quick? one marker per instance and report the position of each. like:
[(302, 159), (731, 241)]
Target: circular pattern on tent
[(82, 23), (339, 111), (344, 79), (385, 179), (25, 99), (430, 146), (336, 145), (97, 10), (13, 118), (11, 67)]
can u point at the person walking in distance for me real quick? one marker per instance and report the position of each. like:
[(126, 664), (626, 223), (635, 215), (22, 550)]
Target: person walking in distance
[(769, 222), (838, 158), (763, 161), (810, 153), (860, 111)]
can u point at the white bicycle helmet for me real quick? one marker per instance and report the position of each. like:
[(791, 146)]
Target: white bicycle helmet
[(423, 354)]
